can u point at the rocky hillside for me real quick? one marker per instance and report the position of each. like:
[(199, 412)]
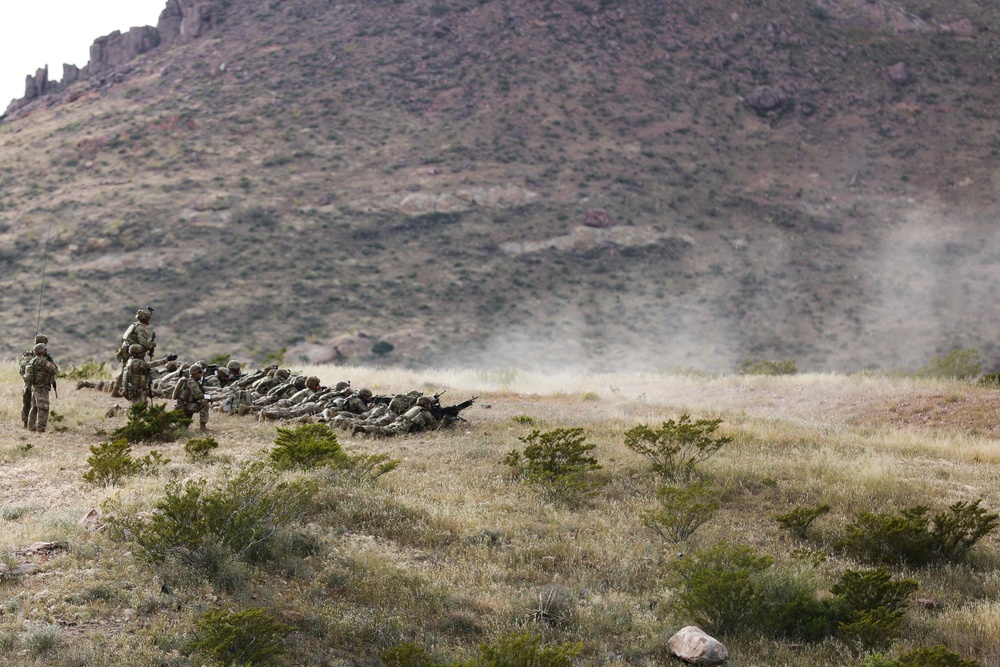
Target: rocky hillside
[(592, 183)]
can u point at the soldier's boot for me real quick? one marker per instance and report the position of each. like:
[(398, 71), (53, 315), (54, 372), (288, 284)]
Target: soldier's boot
[(203, 426), (40, 430)]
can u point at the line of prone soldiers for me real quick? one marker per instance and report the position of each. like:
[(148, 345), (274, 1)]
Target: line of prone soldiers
[(273, 393)]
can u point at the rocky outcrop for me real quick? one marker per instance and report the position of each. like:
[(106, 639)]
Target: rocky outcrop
[(182, 21), (112, 51)]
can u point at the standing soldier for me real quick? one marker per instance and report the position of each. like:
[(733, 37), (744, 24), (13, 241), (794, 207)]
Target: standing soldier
[(26, 359), (139, 332), (191, 398), (40, 375), (137, 386)]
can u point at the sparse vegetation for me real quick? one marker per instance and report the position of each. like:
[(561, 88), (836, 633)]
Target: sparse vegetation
[(248, 637), (677, 446), (557, 462), (152, 422), (112, 461)]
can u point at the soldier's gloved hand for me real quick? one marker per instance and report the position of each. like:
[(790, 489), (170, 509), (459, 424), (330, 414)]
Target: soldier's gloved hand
[(171, 357)]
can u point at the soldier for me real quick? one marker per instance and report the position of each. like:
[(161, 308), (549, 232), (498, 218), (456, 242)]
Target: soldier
[(139, 332), (417, 418), (40, 375), (191, 397), (235, 371), (137, 385), (26, 359)]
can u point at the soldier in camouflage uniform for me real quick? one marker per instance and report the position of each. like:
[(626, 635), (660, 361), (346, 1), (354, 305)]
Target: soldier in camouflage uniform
[(417, 418), (26, 358), (40, 375), (138, 333), (137, 384), (191, 397)]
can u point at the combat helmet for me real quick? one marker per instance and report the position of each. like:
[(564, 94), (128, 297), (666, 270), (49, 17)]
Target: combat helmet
[(144, 314), (40, 338)]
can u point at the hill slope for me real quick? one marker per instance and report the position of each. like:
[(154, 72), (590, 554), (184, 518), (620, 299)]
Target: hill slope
[(550, 184)]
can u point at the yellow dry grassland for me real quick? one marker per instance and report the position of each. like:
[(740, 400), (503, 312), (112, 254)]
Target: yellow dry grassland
[(452, 550)]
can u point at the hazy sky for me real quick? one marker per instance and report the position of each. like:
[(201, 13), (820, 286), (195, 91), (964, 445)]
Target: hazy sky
[(53, 32)]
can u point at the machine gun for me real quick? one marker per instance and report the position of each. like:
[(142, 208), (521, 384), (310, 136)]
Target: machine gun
[(448, 414)]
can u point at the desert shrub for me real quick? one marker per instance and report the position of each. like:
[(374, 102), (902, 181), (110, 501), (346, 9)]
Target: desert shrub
[(276, 357), (307, 446), (766, 367), (110, 462), (408, 654), (677, 446), (316, 446), (681, 511), (912, 538), (382, 348), (199, 449), (207, 526), (717, 587), (526, 420), (931, 656), (873, 606), (553, 604), (86, 371), (871, 589), (959, 364), (890, 539), (525, 650), (248, 637), (797, 521), (991, 380), (556, 461), (871, 629), (956, 533), (43, 639), (220, 360), (730, 589), (149, 422)]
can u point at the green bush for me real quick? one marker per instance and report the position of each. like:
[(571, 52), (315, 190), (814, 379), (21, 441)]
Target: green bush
[(873, 606), (932, 656), (729, 589), (914, 539), (677, 446), (199, 449), (871, 629), (207, 526), (110, 462), (991, 380), (959, 364), (307, 446), (765, 367), (871, 589), (526, 650), (797, 521), (316, 446), (248, 637), (408, 654), (88, 370), (682, 510), (717, 588), (149, 422), (557, 462)]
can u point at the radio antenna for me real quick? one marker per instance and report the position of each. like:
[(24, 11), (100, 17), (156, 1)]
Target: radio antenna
[(41, 290)]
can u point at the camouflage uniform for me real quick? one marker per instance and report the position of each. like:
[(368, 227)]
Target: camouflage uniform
[(136, 381), (192, 397), (26, 359), (40, 375), (138, 333)]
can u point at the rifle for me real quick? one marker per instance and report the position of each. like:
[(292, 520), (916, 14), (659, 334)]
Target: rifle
[(380, 400), (152, 345), (447, 415)]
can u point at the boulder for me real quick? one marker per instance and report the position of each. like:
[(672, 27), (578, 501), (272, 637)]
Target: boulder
[(766, 98), (898, 74), (693, 646)]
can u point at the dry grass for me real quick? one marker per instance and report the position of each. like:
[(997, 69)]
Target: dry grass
[(449, 551)]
